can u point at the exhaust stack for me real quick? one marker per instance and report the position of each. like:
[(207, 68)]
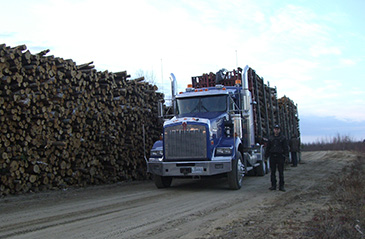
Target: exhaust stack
[(173, 86), (173, 92)]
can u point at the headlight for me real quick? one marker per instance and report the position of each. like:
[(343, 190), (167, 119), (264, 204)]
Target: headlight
[(155, 159), (156, 153), (223, 151)]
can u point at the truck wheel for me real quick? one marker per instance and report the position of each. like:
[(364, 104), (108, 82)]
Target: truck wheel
[(161, 181), (238, 171), (261, 169)]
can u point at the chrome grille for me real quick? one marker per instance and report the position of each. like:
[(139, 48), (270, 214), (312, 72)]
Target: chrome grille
[(185, 142)]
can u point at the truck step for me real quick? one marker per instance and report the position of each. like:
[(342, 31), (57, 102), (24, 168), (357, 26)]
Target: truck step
[(249, 168)]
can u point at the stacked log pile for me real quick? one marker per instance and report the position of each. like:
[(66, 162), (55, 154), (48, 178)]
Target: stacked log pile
[(66, 124)]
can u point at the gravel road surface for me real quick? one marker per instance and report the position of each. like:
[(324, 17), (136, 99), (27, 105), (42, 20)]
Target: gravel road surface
[(189, 209)]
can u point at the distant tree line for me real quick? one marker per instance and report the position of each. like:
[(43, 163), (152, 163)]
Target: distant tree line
[(338, 142)]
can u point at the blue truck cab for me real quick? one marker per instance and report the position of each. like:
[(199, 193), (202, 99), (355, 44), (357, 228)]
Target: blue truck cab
[(211, 133)]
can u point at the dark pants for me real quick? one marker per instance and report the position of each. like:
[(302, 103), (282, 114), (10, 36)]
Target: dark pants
[(294, 158), (277, 161)]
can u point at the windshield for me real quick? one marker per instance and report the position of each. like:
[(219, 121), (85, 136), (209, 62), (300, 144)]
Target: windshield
[(215, 103)]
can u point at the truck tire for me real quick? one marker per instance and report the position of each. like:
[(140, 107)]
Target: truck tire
[(161, 181), (235, 177), (261, 170)]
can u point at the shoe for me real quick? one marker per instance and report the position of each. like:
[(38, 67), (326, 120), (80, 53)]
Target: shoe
[(272, 188), (282, 189)]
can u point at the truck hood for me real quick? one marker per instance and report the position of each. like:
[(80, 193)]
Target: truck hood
[(209, 118)]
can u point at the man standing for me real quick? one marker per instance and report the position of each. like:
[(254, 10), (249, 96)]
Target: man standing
[(277, 150), (294, 150)]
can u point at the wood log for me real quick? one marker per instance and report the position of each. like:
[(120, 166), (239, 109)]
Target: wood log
[(66, 124)]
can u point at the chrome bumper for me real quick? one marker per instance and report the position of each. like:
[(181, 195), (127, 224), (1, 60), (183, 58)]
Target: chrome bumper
[(194, 168)]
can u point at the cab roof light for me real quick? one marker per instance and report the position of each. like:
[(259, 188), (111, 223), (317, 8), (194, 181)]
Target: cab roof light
[(190, 88)]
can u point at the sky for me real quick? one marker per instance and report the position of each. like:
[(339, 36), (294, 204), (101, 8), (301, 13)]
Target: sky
[(312, 51)]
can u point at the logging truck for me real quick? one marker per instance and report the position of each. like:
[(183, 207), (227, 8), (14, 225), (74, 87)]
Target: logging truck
[(219, 127)]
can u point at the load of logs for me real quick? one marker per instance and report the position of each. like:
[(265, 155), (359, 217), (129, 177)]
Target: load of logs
[(65, 124), (289, 118), (268, 109)]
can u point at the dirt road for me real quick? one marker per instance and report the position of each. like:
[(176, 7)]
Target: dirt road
[(189, 209)]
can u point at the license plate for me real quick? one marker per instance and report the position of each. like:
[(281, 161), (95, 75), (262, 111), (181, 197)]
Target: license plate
[(197, 169)]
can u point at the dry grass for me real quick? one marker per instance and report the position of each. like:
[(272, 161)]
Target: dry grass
[(336, 143), (345, 217)]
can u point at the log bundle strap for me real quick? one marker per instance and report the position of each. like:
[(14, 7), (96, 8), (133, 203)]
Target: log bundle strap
[(66, 124)]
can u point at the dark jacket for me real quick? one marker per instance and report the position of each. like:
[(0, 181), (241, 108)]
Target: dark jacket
[(294, 144), (277, 145)]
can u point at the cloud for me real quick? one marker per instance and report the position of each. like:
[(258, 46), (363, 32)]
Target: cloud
[(348, 62), (317, 51), (7, 34), (297, 22)]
